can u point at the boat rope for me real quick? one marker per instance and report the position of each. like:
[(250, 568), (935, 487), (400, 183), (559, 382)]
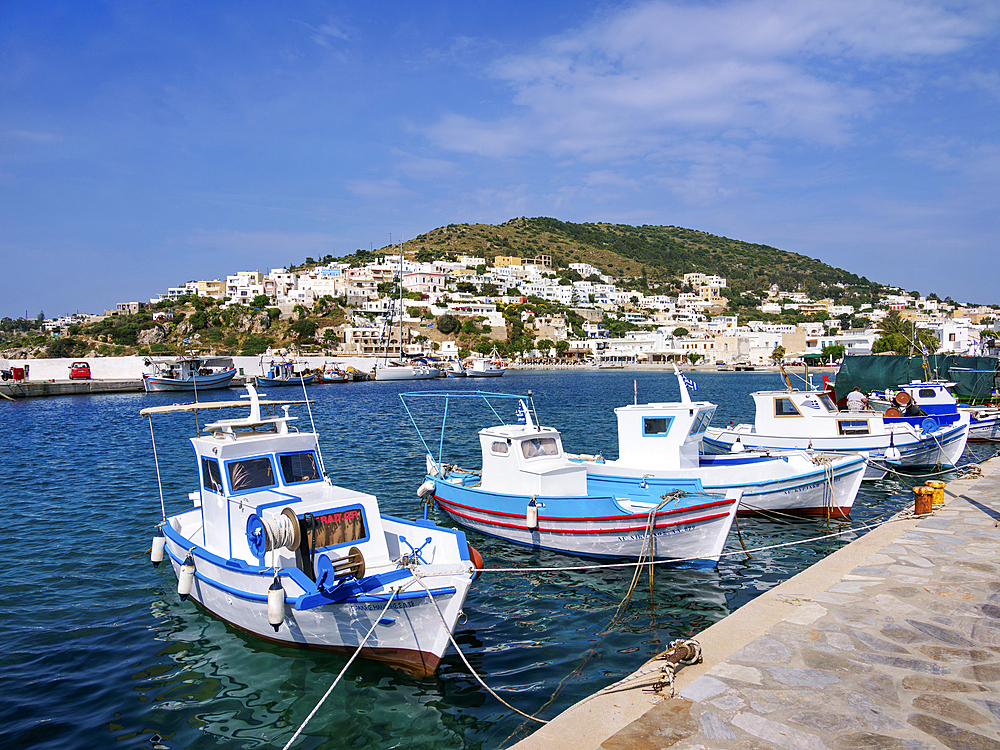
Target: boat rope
[(646, 551), (279, 531), (156, 460), (864, 527), (681, 653), (342, 671), (960, 469), (417, 577)]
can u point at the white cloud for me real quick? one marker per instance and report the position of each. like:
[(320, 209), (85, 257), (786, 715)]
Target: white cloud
[(637, 79)]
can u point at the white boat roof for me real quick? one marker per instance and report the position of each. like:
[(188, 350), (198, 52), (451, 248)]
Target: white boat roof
[(205, 405)]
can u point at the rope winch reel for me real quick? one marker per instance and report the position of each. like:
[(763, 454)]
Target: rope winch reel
[(274, 532), (331, 572)]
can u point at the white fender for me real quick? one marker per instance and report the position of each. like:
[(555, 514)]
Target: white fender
[(185, 578), (737, 447), (427, 488), (531, 516), (276, 604), (156, 553)]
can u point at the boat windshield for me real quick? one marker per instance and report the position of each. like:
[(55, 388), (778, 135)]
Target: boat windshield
[(298, 467), (539, 447), (250, 474)]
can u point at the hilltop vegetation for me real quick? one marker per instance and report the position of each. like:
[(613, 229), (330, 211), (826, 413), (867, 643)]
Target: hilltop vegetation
[(650, 257)]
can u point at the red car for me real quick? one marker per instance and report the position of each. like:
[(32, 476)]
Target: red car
[(79, 371)]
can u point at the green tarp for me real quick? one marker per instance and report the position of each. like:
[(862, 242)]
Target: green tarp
[(976, 377)]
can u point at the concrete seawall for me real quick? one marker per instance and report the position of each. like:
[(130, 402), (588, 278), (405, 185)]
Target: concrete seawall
[(891, 642)]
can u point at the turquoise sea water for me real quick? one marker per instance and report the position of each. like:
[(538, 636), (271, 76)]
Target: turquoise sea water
[(98, 651)]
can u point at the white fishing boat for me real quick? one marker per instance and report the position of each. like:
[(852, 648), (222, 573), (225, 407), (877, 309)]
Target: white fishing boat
[(528, 491), (188, 373), (490, 366), (269, 545), (809, 419), (401, 371), (660, 443)]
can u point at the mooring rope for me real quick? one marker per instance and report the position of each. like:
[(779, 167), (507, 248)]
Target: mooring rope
[(342, 671), (454, 643), (675, 560)]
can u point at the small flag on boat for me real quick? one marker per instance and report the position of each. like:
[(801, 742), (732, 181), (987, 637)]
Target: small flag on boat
[(923, 349), (520, 413), (812, 403), (690, 384)]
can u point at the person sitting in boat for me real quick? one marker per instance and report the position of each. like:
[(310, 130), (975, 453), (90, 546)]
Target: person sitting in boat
[(856, 400)]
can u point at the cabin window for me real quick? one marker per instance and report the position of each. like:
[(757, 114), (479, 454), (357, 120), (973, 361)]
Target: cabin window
[(827, 402), (250, 474), (927, 393), (298, 467), (334, 528), (540, 447), (785, 407), (211, 477), (499, 447), (656, 425), (852, 426), (701, 423)]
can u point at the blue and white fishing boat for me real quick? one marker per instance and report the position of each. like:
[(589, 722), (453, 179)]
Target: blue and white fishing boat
[(936, 399), (530, 492), (269, 545), (188, 373), (809, 419), (661, 443), (282, 372)]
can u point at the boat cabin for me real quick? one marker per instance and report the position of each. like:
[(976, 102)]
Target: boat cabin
[(662, 436), (810, 414), (918, 400), (259, 471), (524, 459)]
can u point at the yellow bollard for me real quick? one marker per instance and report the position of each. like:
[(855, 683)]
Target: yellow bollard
[(923, 501), (938, 488)]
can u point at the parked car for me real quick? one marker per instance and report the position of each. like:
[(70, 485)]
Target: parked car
[(79, 371)]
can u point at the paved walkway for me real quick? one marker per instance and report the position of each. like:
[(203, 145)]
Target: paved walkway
[(892, 642)]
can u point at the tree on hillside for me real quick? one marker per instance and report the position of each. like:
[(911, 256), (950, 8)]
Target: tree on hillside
[(903, 337)]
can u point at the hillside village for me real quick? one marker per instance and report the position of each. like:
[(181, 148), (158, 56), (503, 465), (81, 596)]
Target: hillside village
[(573, 303)]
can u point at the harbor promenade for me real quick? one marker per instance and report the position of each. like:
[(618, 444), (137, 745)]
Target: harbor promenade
[(892, 642)]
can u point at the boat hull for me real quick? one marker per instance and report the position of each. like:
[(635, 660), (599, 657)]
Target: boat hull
[(154, 383), (408, 636), (943, 447), (406, 373), (824, 486), (472, 373), (691, 530), (261, 381), (984, 429)]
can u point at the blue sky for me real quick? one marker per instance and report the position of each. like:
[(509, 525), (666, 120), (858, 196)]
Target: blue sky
[(147, 144)]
